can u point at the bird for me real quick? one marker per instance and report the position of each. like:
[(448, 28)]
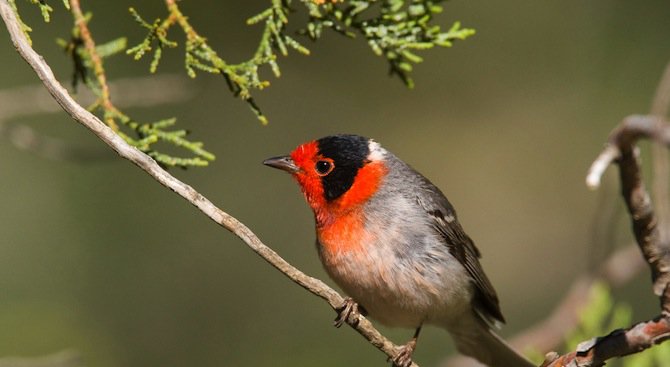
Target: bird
[(392, 242)]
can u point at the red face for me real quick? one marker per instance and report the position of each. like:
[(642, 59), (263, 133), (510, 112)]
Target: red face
[(319, 176), (311, 166), (334, 173)]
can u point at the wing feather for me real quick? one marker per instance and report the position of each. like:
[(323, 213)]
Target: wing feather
[(462, 247)]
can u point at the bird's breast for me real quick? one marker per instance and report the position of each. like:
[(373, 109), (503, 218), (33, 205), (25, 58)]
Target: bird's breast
[(400, 279), (369, 271)]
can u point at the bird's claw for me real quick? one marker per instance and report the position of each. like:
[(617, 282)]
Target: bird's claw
[(346, 311), (404, 356)]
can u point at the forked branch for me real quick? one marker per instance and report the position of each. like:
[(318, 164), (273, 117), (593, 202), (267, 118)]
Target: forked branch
[(622, 150)]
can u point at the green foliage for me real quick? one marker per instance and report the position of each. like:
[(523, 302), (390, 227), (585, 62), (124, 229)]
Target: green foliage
[(24, 27), (81, 60), (45, 9), (88, 69), (395, 29), (157, 34), (241, 78), (603, 315)]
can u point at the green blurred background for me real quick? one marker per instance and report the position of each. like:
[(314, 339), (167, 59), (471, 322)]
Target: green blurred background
[(97, 257)]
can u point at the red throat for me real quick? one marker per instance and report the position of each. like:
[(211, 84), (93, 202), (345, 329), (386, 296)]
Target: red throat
[(339, 221)]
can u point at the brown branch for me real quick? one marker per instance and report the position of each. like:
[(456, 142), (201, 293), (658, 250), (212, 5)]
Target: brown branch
[(620, 267), (177, 16), (144, 162), (621, 149), (618, 343), (96, 61)]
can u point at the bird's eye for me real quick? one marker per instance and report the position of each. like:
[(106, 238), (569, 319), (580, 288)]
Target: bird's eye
[(324, 167)]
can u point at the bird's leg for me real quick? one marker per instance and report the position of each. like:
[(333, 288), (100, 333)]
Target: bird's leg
[(404, 356), (348, 308)]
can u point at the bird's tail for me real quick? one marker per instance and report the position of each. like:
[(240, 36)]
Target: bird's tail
[(484, 345)]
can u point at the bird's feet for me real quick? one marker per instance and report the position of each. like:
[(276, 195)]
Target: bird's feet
[(349, 308), (404, 356)]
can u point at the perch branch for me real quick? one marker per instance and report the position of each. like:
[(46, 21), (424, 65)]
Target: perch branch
[(621, 149), (147, 164), (96, 61)]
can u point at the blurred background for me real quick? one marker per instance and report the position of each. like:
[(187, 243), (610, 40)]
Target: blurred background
[(98, 258)]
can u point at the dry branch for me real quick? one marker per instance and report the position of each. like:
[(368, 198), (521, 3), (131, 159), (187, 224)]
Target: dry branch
[(622, 150), (147, 164)]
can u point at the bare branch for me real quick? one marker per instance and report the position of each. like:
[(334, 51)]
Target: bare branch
[(621, 266), (606, 157), (621, 149), (622, 140), (147, 164), (96, 61), (618, 343)]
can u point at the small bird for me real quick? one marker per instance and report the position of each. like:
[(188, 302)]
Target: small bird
[(391, 240)]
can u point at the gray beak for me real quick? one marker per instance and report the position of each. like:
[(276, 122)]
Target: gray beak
[(284, 163)]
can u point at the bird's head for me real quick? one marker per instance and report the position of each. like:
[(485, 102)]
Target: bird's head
[(336, 173)]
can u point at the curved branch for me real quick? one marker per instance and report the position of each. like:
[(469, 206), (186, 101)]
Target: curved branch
[(147, 164), (621, 149), (622, 142)]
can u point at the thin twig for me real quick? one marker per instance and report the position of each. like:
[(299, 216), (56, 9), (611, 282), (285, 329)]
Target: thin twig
[(96, 61), (144, 162), (621, 266)]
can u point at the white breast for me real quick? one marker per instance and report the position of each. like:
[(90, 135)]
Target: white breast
[(401, 280)]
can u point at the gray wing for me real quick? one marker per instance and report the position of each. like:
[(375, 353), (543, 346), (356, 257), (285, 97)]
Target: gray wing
[(462, 248)]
